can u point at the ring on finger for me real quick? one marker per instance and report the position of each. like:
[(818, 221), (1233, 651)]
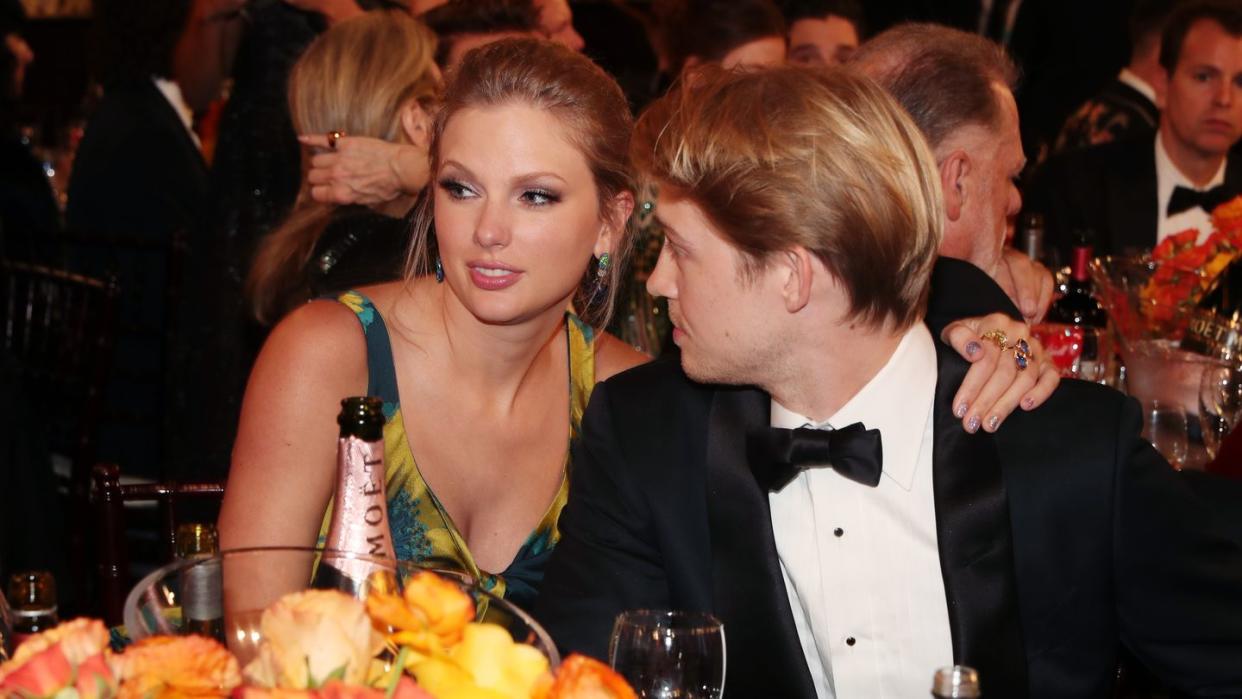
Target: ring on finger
[(333, 137)]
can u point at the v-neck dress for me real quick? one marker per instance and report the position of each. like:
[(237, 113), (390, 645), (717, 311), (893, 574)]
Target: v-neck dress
[(422, 530)]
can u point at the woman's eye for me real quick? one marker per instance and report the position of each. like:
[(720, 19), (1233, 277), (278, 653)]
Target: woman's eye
[(455, 189), (539, 197)]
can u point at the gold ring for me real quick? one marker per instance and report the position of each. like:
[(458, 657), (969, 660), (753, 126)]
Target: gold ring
[(333, 137), (996, 337)]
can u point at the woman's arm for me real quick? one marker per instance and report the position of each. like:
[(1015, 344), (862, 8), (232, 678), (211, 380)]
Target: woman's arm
[(284, 464)]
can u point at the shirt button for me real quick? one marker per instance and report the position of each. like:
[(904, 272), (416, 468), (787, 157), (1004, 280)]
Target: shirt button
[(850, 641), (838, 532)]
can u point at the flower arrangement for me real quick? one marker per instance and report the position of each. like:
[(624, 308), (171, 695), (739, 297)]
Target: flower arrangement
[(1184, 268), (423, 643)]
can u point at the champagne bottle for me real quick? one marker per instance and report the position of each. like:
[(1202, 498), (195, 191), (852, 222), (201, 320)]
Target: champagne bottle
[(32, 598), (1215, 327), (956, 682), (201, 595), (360, 511), (1031, 237)]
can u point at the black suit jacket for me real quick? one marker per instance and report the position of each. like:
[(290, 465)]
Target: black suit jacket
[(1051, 557), (1110, 190)]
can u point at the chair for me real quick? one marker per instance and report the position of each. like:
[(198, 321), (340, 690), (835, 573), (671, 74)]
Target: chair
[(57, 328), (110, 497)]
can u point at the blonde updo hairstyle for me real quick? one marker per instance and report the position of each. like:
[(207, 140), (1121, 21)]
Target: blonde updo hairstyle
[(355, 78), (595, 118)]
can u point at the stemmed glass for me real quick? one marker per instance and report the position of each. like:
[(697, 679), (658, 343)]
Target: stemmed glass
[(670, 655), (1164, 425), (6, 629), (1220, 403)]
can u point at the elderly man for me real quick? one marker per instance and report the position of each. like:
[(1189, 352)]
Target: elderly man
[(958, 87), (824, 502), (1132, 194)]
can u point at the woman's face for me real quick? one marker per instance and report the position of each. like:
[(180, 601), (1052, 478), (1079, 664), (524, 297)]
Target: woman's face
[(516, 211)]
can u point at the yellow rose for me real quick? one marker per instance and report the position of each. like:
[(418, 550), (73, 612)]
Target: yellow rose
[(488, 653), (308, 638)]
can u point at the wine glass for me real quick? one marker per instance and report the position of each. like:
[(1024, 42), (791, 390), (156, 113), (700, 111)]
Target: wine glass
[(7, 646), (1220, 404), (669, 655), (1164, 425)]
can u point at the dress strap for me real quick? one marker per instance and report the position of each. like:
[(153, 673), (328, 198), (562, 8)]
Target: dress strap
[(381, 373), (581, 338)]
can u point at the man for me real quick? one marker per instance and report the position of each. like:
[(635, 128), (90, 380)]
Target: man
[(803, 218), (822, 32), (1130, 195), (556, 21), (1126, 107), (464, 25), (958, 87)]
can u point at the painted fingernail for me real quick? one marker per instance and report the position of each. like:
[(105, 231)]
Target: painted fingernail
[(972, 425), (972, 348), (960, 410), (1028, 403), (993, 423)]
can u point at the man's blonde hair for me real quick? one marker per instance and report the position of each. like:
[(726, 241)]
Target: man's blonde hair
[(824, 160)]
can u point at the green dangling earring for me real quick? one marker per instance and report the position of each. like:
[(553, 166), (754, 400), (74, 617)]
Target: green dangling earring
[(439, 269), (602, 269)]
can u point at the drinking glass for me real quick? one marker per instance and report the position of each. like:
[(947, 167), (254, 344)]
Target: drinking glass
[(6, 629), (1164, 425), (669, 655), (1220, 404)]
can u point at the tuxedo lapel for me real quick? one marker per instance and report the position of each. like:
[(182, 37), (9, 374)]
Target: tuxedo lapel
[(765, 654), (976, 550), (1132, 200)]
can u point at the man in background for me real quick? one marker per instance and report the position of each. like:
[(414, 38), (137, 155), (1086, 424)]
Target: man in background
[(822, 32), (462, 26)]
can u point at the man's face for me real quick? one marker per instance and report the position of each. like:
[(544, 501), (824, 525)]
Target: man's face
[(723, 324), (822, 41), (1203, 105), (556, 21), (991, 199), (463, 44)]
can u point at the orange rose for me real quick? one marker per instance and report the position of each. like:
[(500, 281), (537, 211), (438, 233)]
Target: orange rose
[(429, 616), (168, 667), (1228, 215), (69, 656), (580, 677)]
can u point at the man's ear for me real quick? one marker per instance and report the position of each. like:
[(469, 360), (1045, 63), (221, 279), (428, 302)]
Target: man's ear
[(954, 170), (416, 124), (798, 266), (615, 217)]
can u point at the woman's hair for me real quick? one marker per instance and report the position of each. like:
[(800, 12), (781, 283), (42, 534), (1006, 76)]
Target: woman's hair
[(594, 117), (355, 78)]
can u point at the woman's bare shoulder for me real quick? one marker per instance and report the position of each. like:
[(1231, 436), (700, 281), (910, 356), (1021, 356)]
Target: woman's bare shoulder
[(612, 356)]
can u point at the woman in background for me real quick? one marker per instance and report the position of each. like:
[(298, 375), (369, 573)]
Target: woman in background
[(374, 76)]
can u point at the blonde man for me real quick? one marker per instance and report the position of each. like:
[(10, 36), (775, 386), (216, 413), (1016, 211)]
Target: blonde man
[(824, 502)]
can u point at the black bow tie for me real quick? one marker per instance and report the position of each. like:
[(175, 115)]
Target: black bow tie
[(1184, 199), (778, 454)]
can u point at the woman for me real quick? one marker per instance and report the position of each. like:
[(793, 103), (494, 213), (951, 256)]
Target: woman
[(375, 76), (483, 372)]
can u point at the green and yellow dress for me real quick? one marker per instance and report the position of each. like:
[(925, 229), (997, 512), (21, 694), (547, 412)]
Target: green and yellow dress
[(422, 530)]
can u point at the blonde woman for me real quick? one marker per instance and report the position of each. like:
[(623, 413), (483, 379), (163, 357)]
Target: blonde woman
[(374, 76)]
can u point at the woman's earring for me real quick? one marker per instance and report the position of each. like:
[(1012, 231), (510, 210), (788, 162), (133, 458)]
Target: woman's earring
[(439, 267), (604, 261)]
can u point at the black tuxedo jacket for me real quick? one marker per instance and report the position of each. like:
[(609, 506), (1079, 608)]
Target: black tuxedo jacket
[(1061, 537), (1110, 190)]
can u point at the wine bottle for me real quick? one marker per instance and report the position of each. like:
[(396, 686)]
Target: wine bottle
[(956, 682), (360, 510), (1215, 327), (1076, 325), (32, 599), (201, 597)]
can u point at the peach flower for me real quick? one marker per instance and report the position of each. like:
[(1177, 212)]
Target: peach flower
[(172, 667), (311, 637), (69, 656)]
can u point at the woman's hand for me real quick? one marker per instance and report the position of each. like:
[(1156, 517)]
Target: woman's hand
[(361, 170), (995, 384), (1028, 284)]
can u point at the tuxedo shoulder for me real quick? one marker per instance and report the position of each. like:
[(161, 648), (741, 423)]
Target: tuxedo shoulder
[(662, 379), (1080, 408)]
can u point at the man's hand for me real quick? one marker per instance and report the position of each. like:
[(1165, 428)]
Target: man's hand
[(995, 386), (332, 10), (361, 170), (1028, 284)]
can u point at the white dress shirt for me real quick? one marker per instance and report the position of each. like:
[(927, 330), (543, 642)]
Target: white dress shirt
[(172, 92), (1140, 85), (861, 564), (1168, 177)]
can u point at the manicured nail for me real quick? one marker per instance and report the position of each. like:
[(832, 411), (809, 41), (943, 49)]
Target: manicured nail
[(1028, 403), (972, 348), (972, 425), (960, 410), (993, 423)]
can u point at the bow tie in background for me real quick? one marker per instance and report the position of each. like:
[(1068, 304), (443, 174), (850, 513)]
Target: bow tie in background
[(777, 455), (1184, 199)]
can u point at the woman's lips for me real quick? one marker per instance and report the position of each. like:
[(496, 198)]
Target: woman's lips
[(493, 277)]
